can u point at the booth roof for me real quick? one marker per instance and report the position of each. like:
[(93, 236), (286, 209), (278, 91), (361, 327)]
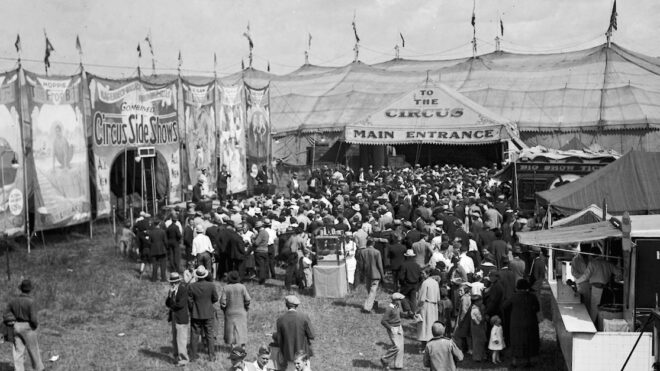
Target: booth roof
[(627, 184)]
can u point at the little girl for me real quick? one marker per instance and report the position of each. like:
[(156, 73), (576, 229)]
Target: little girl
[(496, 343), (306, 263)]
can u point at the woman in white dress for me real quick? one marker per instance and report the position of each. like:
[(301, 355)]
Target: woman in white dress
[(350, 247)]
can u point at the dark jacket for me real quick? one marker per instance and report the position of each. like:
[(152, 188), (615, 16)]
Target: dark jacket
[(370, 264), (410, 273), (294, 333), (158, 241), (395, 255), (22, 307), (178, 305), (173, 235), (201, 296)]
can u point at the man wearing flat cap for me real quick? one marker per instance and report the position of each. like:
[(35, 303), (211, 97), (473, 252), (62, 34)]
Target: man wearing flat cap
[(293, 331), (393, 359), (25, 328)]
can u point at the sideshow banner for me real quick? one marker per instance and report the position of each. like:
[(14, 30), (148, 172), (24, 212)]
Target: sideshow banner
[(200, 131), (129, 115), (12, 210), (59, 151), (258, 125), (232, 136)]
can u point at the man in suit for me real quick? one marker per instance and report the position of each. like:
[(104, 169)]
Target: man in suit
[(395, 253), (177, 302), (222, 182), (371, 268), (410, 276), (293, 332), (174, 234), (158, 240), (201, 296)]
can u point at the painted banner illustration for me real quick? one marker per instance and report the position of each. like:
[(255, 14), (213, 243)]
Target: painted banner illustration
[(129, 116), (231, 148), (12, 164), (200, 134), (59, 151), (258, 125)]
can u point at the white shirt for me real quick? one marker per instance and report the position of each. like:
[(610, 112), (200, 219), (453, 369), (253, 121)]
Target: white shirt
[(201, 243), (272, 235), (248, 236), (477, 288), (466, 263)]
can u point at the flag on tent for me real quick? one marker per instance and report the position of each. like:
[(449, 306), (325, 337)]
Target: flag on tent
[(78, 46), (403, 41), (357, 38), (613, 24), (268, 67), (215, 61), (139, 50), (501, 28), (180, 59), (309, 41), (17, 44), (248, 37), (242, 65), (474, 17), (49, 49), (148, 40)]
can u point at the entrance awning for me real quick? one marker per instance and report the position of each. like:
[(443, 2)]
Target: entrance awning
[(566, 235), (432, 114)]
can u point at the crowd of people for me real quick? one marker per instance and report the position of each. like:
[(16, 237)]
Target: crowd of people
[(440, 239)]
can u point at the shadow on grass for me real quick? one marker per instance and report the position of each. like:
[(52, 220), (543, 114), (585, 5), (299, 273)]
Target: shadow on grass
[(163, 355), (365, 363), (343, 303), (6, 366)]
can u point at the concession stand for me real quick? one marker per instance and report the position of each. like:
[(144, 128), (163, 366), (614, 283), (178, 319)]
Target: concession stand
[(428, 123), (622, 333)]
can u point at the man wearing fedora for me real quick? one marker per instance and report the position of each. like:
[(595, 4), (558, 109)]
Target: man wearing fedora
[(25, 328), (293, 332), (177, 302), (409, 277), (201, 297), (370, 266)]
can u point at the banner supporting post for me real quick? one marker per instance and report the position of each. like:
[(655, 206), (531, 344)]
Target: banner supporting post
[(24, 151)]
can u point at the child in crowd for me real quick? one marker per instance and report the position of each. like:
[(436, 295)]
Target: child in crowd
[(306, 264), (189, 273), (445, 309), (125, 243), (496, 343), (477, 286)]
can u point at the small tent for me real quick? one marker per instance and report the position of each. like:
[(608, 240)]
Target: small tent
[(627, 184)]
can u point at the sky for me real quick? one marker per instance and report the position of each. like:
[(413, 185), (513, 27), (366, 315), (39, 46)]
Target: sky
[(110, 31)]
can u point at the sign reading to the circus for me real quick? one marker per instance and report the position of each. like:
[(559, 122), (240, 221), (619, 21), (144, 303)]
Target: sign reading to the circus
[(128, 114), (59, 150), (435, 115), (12, 215)]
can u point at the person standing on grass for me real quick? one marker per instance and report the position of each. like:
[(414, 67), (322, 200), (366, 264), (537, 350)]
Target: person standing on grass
[(25, 328), (158, 240), (293, 332), (441, 353), (174, 234), (235, 303), (410, 276), (201, 296), (371, 268), (428, 299), (524, 327), (177, 302), (202, 248), (261, 252), (142, 227), (393, 359)]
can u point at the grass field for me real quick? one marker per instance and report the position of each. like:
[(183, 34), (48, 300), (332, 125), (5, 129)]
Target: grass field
[(96, 315)]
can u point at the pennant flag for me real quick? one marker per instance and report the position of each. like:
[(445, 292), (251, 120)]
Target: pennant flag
[(49, 49), (357, 38), (268, 67), (474, 17), (139, 50), (309, 41), (242, 65), (403, 41), (215, 61), (148, 40), (78, 46), (180, 59), (17, 44), (250, 43), (613, 24), (501, 28)]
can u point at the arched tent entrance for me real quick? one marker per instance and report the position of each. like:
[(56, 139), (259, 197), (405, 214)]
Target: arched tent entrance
[(140, 183), (476, 155)]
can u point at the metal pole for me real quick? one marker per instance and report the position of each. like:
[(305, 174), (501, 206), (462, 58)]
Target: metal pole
[(7, 256), (114, 223), (24, 152)]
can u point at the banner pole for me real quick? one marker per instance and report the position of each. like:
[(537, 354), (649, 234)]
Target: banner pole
[(270, 141), (24, 151)]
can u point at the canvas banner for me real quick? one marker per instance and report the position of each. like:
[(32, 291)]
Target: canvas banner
[(231, 149), (258, 125), (131, 115), (59, 151), (200, 133), (12, 198)]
